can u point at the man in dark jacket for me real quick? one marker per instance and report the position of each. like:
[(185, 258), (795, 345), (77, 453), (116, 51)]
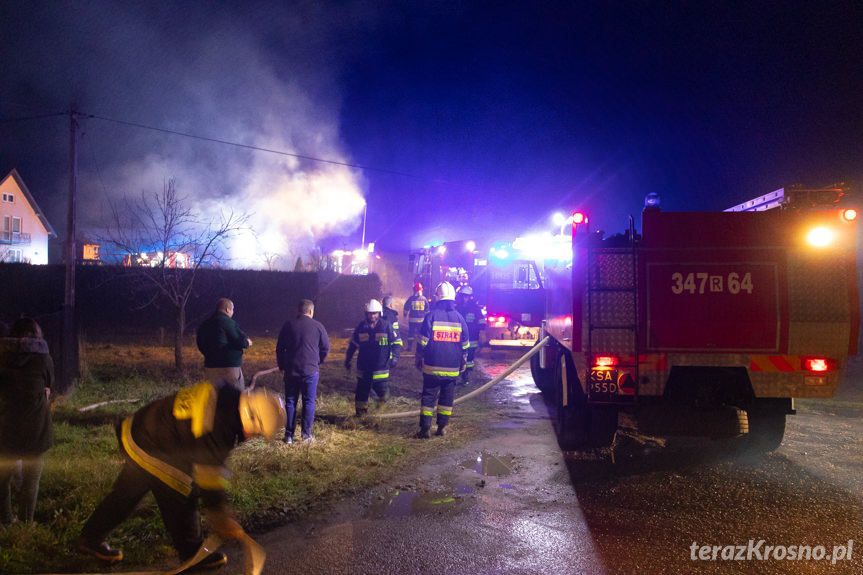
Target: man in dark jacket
[(176, 447), (441, 356), (222, 342), (302, 346), (378, 352), (26, 432)]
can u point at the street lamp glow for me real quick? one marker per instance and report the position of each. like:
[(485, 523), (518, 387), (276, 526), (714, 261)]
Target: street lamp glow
[(558, 219)]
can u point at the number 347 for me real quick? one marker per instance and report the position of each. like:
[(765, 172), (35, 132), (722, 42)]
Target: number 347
[(702, 282)]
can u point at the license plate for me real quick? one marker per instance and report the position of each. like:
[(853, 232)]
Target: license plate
[(603, 381)]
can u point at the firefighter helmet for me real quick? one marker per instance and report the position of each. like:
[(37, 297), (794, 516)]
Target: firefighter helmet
[(418, 288), (262, 413), (465, 290), (374, 306), (444, 291)]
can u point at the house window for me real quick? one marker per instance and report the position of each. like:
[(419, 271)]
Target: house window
[(16, 225), (9, 198), (12, 256)]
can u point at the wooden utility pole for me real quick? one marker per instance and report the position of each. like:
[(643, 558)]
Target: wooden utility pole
[(69, 359)]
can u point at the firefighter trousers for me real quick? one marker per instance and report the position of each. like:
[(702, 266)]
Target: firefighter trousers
[(179, 512), (436, 390), (366, 382)]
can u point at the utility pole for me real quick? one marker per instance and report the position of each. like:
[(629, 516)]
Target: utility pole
[(69, 361)]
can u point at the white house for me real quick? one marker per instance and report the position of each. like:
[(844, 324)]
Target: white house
[(24, 231)]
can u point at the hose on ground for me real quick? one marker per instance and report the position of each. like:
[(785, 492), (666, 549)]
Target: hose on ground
[(535, 349)]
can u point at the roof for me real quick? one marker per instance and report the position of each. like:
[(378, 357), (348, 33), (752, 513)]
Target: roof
[(24, 190)]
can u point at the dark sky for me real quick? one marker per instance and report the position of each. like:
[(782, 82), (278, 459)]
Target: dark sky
[(450, 119)]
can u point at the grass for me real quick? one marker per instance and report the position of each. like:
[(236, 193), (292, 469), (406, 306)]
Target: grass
[(272, 483)]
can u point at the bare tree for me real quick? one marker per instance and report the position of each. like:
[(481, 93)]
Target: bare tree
[(164, 224)]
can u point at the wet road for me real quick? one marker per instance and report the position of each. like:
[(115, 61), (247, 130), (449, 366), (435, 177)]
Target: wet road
[(514, 503)]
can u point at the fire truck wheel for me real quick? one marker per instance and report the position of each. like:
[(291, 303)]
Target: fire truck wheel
[(603, 425), (542, 377), (766, 430)]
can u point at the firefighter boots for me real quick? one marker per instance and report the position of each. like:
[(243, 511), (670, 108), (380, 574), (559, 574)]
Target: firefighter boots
[(441, 431), (99, 550)]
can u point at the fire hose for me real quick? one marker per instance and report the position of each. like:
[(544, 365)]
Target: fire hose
[(534, 350)]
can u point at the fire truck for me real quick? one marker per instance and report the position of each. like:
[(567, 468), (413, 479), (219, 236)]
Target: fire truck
[(507, 283), (704, 323)]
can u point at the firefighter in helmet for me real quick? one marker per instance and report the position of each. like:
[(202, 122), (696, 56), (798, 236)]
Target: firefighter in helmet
[(441, 355), (375, 340), (415, 311), (176, 447), (474, 316)]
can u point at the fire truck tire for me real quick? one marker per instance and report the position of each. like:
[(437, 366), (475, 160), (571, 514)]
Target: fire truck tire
[(542, 377), (766, 430), (603, 425), (573, 419)]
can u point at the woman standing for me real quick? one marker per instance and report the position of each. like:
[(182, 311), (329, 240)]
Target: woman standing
[(26, 433)]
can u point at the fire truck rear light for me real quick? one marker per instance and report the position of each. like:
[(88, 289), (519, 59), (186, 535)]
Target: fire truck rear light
[(818, 364), (497, 319), (605, 361), (849, 215), (820, 237), (578, 218)]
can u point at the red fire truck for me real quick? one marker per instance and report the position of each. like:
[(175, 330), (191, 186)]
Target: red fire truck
[(704, 323), (505, 281)]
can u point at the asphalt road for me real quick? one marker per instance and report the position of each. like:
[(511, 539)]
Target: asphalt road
[(512, 502)]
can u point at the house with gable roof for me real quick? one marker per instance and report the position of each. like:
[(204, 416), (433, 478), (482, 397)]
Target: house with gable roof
[(24, 229)]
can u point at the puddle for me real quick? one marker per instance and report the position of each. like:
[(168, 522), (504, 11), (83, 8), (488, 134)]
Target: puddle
[(519, 384), (401, 503), (490, 465)]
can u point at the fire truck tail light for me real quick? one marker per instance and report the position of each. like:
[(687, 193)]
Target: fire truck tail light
[(820, 237), (849, 215), (578, 218), (605, 361), (818, 364), (497, 319)]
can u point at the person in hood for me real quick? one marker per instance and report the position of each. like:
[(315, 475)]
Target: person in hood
[(26, 431)]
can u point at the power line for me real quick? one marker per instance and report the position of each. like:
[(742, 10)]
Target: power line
[(255, 148)]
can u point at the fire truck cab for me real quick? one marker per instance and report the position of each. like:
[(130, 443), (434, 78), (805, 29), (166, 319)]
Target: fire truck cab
[(705, 323)]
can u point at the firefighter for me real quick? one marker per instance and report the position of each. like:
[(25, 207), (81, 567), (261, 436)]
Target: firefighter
[(415, 311), (474, 317), (442, 347), (392, 316), (378, 352), (177, 447)]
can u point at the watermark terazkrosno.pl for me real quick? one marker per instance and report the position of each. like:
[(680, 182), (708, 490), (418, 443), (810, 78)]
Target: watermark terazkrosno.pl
[(760, 551)]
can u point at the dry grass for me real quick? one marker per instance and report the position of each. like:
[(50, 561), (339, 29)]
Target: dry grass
[(272, 483)]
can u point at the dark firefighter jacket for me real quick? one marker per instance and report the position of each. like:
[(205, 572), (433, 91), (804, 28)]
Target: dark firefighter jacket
[(375, 344), (392, 316), (221, 341), (26, 370), (474, 318), (185, 439), (416, 308), (443, 341)]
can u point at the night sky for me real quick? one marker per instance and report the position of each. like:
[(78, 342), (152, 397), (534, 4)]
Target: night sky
[(450, 119)]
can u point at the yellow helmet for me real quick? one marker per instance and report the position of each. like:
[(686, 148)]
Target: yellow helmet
[(262, 413)]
